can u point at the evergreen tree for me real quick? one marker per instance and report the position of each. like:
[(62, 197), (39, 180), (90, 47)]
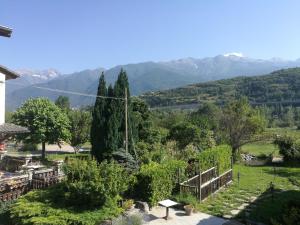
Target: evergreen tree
[(99, 124), (113, 122), (108, 126), (119, 91)]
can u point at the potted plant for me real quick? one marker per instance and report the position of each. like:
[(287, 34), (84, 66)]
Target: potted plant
[(188, 209)]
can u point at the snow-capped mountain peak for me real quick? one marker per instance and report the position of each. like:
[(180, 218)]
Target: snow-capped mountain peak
[(236, 54)]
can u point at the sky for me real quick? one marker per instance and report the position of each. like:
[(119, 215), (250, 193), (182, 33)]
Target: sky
[(73, 35)]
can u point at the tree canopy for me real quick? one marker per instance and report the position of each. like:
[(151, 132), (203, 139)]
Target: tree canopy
[(46, 122), (240, 123), (63, 102), (80, 121)]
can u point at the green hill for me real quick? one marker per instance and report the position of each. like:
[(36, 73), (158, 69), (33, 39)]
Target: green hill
[(282, 86)]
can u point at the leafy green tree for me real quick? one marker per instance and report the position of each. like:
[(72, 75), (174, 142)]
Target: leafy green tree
[(46, 122), (206, 117), (289, 117), (99, 122), (141, 116), (240, 123), (80, 127), (63, 102), (184, 133)]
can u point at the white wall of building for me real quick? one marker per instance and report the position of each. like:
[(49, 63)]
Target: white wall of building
[(2, 98)]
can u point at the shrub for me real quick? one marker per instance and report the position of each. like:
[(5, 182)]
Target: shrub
[(157, 181), (219, 156), (35, 208), (130, 220), (89, 184), (187, 199), (289, 147), (127, 204), (89, 194)]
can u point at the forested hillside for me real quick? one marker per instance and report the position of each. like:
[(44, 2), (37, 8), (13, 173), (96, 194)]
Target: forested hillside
[(143, 77), (282, 86)]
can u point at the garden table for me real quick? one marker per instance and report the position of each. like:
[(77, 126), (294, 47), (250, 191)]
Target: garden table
[(167, 203)]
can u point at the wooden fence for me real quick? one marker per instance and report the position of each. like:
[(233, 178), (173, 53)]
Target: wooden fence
[(206, 183)]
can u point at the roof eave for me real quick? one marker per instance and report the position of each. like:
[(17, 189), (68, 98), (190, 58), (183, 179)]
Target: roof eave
[(9, 74), (5, 31)]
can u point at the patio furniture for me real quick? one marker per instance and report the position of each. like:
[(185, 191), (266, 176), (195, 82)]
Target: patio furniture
[(167, 203)]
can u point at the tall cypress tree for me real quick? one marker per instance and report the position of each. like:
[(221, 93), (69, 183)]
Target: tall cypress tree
[(112, 123), (119, 91), (99, 124)]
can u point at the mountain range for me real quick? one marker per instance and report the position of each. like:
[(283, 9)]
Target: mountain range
[(143, 77)]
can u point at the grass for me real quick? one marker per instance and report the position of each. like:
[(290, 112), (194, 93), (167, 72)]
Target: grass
[(265, 148), (261, 148), (62, 156), (255, 183)]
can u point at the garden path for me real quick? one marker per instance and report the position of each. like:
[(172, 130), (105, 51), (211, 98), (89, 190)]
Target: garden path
[(178, 217)]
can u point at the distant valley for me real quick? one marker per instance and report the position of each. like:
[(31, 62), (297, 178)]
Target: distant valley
[(143, 77)]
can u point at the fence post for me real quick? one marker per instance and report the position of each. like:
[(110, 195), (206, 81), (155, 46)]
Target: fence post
[(231, 166), (199, 181)]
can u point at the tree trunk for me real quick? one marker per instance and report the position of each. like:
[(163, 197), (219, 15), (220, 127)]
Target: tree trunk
[(235, 154), (43, 150)]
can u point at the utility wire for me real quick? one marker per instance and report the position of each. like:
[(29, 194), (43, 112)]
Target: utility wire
[(69, 92)]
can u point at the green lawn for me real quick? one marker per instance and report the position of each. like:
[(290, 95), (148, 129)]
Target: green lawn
[(62, 156), (267, 147), (261, 148), (253, 191)]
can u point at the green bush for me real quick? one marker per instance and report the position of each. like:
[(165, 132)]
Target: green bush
[(219, 156), (187, 199), (36, 208), (156, 182), (130, 220), (289, 147), (90, 185), (89, 194)]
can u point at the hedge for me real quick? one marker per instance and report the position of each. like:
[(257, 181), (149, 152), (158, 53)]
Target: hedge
[(219, 156), (156, 182)]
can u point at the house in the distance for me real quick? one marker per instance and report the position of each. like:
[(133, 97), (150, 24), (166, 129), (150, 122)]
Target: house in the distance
[(6, 129)]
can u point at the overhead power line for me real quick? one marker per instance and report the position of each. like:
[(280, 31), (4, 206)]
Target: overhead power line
[(69, 92)]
